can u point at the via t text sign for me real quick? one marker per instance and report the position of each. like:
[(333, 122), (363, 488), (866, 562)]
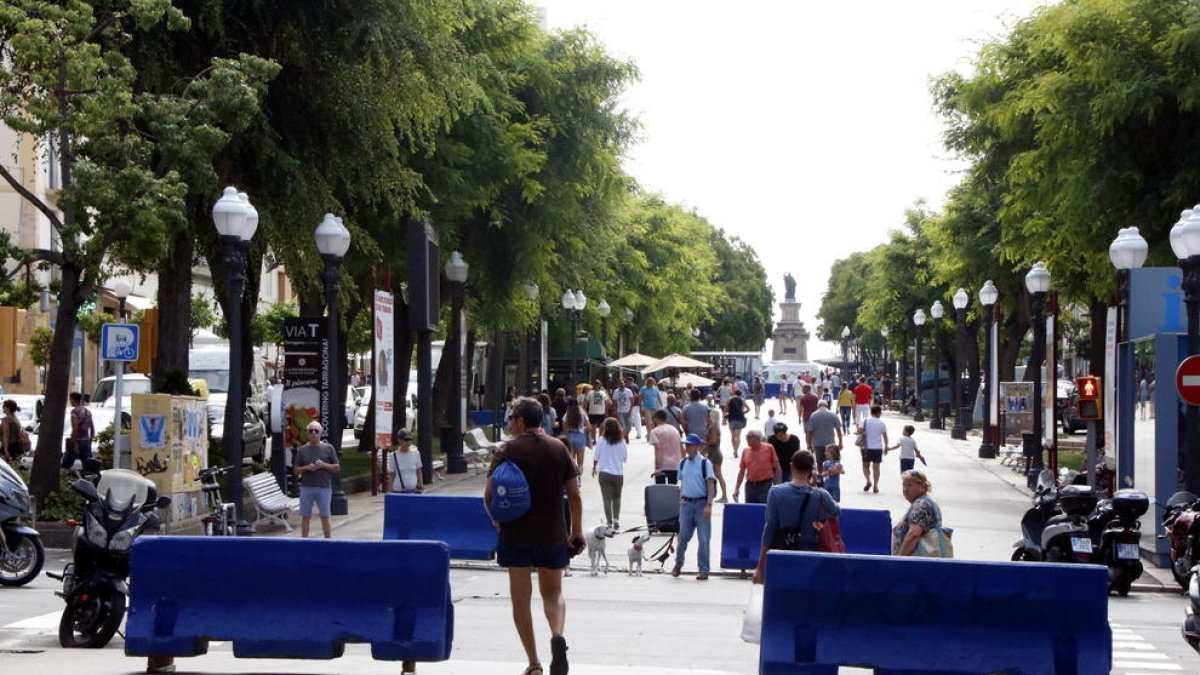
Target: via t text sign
[(119, 341)]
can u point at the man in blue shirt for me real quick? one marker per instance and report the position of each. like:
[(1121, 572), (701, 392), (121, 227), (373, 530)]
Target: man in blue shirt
[(698, 488)]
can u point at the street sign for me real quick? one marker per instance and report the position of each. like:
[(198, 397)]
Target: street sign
[(1187, 380), (119, 341)]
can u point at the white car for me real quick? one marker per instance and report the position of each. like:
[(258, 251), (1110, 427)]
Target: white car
[(360, 415)]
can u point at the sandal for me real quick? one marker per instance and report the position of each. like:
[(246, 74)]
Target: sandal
[(534, 668)]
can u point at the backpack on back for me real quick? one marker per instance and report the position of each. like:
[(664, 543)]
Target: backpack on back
[(510, 492)]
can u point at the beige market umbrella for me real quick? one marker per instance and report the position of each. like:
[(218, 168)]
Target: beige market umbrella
[(689, 379), (634, 360), (676, 361)]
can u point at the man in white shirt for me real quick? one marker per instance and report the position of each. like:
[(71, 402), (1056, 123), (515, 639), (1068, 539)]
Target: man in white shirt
[(769, 425), (875, 432)]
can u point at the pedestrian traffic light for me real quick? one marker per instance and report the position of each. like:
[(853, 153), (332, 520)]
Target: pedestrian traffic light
[(148, 348), (1089, 392)]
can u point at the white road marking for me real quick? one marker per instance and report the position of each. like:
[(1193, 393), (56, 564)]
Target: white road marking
[(40, 622)]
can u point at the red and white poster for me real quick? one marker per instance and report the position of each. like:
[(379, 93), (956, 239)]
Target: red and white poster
[(384, 396)]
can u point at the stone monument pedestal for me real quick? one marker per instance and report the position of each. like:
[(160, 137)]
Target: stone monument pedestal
[(790, 338)]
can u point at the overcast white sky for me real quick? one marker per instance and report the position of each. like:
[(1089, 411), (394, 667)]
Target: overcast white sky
[(806, 128)]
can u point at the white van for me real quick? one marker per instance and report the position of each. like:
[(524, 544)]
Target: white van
[(211, 364), (793, 369)]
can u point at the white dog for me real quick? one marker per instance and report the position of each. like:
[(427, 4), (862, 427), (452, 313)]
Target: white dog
[(595, 544), (637, 554)]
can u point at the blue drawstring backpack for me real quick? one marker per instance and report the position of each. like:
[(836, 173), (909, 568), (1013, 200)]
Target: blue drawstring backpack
[(510, 492)]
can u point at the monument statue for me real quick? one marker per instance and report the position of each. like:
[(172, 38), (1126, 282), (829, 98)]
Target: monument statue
[(790, 284)]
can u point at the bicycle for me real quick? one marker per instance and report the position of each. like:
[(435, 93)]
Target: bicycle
[(221, 520)]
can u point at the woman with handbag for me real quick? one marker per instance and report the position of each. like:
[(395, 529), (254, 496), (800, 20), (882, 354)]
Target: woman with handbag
[(793, 511), (920, 531)]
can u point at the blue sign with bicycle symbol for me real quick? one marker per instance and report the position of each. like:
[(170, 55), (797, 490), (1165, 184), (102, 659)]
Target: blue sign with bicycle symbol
[(119, 342)]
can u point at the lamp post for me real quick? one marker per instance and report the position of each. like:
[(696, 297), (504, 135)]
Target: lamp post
[(333, 240), (987, 297), (456, 273), (845, 353), (1185, 242), (236, 220), (937, 312), (628, 331), (604, 310), (1127, 252), (121, 289), (531, 291), (887, 364), (962, 415), (918, 321), (1037, 282), (573, 302)]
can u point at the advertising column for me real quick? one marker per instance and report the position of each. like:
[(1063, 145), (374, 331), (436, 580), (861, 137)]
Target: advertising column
[(303, 377), (384, 395)]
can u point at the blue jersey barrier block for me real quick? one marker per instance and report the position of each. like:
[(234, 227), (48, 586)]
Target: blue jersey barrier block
[(289, 598), (925, 615), (459, 520), (865, 531)]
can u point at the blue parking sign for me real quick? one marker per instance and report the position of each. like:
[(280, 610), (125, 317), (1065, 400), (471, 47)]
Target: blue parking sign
[(119, 342)]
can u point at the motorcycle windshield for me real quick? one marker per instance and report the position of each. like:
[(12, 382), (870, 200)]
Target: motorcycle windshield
[(122, 490), (9, 476)]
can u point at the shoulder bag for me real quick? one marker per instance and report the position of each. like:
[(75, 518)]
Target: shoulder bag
[(937, 541)]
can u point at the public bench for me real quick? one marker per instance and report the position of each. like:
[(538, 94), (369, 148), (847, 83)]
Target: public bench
[(924, 615), (479, 449), (458, 520), (866, 531), (271, 505), (259, 594)]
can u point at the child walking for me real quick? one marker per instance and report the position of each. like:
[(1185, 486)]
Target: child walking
[(909, 453), (831, 471)]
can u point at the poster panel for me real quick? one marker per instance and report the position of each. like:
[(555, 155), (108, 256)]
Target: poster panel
[(1016, 401), (303, 377), (384, 395)]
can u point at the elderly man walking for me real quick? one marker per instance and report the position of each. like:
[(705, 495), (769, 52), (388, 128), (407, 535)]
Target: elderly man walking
[(759, 467)]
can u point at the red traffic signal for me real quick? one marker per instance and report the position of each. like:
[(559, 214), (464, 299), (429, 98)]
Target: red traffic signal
[(1088, 388)]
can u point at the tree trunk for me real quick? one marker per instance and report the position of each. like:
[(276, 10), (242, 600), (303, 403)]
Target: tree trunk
[(443, 389), (403, 340), (175, 308), (48, 456)]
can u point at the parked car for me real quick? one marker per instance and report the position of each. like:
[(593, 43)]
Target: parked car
[(360, 415), (354, 398), (1066, 407), (254, 432)]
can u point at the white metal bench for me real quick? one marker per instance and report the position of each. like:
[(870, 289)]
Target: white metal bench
[(271, 504), (479, 449)]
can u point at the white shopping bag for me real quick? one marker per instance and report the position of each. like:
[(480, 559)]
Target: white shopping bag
[(752, 619)]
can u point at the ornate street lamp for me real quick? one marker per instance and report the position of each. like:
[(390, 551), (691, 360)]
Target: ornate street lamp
[(573, 302), (1127, 252), (887, 364), (531, 291), (937, 312), (456, 273), (333, 240), (918, 321), (604, 310), (1037, 282), (962, 415), (1185, 242), (236, 220), (987, 297), (845, 353)]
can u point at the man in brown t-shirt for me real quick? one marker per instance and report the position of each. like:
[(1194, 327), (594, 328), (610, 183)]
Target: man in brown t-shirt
[(539, 539)]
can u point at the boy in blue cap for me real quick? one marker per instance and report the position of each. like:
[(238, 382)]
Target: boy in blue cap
[(698, 487)]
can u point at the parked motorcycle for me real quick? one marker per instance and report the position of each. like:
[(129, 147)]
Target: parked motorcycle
[(1191, 624), (1055, 528), (21, 552), (117, 508), (1182, 528), (1116, 532)]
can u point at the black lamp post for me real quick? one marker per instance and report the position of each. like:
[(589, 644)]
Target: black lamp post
[(937, 312), (845, 353), (573, 302), (236, 221), (333, 240), (604, 309), (1185, 242), (1127, 252), (887, 364), (918, 321), (962, 415), (1037, 282), (987, 297), (456, 274), (629, 332), (531, 290)]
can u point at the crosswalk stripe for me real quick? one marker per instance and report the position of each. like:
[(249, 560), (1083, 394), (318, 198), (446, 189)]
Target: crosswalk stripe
[(1138, 655), (1147, 666), (1131, 645), (40, 622)]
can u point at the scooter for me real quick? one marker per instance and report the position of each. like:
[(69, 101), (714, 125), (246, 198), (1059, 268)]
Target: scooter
[(1182, 527), (1191, 623), (1055, 528), (21, 551), (117, 508), (1116, 533)]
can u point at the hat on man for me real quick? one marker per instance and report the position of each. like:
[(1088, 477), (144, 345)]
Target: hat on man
[(403, 435), (692, 439), (780, 426)]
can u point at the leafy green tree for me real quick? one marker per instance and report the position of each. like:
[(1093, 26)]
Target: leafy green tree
[(740, 320), (68, 84)]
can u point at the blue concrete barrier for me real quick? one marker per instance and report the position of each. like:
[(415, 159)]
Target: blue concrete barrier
[(865, 531), (481, 418), (459, 520), (923, 615), (263, 595)]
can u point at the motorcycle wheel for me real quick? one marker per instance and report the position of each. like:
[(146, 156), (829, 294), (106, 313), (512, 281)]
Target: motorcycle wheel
[(1122, 587), (1181, 569), (91, 623), (1019, 555), (22, 563)]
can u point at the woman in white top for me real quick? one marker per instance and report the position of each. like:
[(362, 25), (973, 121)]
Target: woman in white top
[(609, 466), (405, 465)]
